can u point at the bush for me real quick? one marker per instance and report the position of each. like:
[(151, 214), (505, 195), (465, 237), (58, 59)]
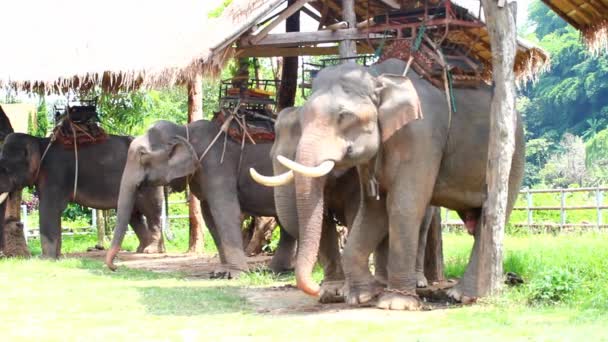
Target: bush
[(554, 286)]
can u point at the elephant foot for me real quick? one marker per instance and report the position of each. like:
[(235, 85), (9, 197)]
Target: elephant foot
[(399, 300), (421, 280), (332, 291), (228, 271), (456, 293), (154, 247), (362, 294), (280, 265)]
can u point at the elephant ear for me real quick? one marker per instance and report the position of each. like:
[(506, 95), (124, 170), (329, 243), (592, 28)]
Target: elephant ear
[(182, 158), (175, 160), (398, 104)]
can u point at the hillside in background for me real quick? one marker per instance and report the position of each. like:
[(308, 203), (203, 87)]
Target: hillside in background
[(566, 110)]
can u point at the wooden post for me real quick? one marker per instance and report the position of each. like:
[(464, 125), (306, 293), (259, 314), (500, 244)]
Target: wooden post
[(348, 48), (528, 206), (488, 240), (433, 255), (599, 199), (101, 228), (562, 210), (289, 75), (195, 112)]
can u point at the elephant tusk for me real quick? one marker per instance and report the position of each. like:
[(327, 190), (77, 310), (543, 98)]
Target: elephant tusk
[(3, 197), (314, 172), (282, 179)]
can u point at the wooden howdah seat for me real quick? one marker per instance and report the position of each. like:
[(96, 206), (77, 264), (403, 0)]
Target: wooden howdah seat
[(259, 128), (78, 124)]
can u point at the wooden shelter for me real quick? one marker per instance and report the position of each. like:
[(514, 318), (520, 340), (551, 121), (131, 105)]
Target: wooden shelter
[(588, 16)]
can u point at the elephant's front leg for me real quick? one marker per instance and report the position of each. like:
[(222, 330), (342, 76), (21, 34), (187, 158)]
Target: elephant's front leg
[(421, 280), (405, 218), (369, 229), (50, 226), (283, 258), (226, 214)]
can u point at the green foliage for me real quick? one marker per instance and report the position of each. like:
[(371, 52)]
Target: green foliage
[(217, 12), (554, 286), (42, 119), (572, 97)]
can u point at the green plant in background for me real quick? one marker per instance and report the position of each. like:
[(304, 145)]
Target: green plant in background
[(554, 286)]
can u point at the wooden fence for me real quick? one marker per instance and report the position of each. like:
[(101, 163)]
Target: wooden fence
[(527, 196)]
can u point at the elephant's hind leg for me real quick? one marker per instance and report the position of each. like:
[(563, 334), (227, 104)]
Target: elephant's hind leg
[(148, 243), (283, 258)]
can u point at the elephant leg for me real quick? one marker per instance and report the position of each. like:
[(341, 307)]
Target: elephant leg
[(464, 291), (405, 219), (210, 223), (421, 280), (50, 226), (151, 207), (332, 288), (226, 213), (283, 258), (141, 231), (381, 262), (369, 229)]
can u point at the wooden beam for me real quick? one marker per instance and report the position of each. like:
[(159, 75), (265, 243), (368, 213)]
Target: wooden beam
[(296, 51), (391, 3), (347, 46), (195, 112), (579, 11), (337, 26), (284, 15), (311, 14), (312, 38), (563, 15)]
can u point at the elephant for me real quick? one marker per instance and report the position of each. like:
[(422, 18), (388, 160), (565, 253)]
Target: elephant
[(410, 152), (169, 154), (342, 196), (24, 163)]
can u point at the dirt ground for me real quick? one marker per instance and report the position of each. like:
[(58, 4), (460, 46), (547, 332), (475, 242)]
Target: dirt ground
[(285, 299)]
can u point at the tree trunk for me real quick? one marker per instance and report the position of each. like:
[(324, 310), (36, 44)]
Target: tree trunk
[(195, 112), (502, 30), (433, 256), (15, 244), (348, 48), (101, 228), (289, 74), (262, 232)]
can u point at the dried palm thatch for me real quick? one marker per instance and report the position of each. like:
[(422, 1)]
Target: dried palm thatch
[(590, 17), (73, 45)]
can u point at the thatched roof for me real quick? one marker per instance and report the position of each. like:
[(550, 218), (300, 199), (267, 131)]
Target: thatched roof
[(73, 45), (588, 16)]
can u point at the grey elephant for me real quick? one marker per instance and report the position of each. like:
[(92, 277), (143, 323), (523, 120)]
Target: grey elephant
[(409, 153), (170, 154), (99, 173), (341, 194)]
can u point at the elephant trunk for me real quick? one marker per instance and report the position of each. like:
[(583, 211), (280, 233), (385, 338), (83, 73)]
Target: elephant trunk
[(310, 203), (126, 200)]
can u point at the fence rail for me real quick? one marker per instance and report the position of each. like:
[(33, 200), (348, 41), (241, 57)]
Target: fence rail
[(563, 208)]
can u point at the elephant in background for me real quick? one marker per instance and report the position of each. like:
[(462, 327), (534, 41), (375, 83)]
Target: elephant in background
[(170, 154), (410, 153), (99, 171), (342, 195)]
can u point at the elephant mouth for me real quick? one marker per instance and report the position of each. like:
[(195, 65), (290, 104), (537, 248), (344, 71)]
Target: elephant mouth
[(287, 177)]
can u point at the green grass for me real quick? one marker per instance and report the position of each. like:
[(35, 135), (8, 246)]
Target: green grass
[(78, 299)]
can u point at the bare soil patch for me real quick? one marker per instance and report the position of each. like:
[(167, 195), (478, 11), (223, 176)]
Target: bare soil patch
[(274, 300)]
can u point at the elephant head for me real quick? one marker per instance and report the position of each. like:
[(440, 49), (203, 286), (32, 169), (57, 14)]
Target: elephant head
[(160, 157), (19, 162), (344, 123)]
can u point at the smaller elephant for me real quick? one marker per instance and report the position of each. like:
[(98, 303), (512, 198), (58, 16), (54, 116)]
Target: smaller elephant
[(171, 154), (100, 167)]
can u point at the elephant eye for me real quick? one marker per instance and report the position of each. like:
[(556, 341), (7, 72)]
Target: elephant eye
[(344, 115)]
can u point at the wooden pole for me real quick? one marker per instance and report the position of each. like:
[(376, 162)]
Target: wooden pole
[(289, 75), (348, 48), (195, 112), (489, 239), (101, 228)]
